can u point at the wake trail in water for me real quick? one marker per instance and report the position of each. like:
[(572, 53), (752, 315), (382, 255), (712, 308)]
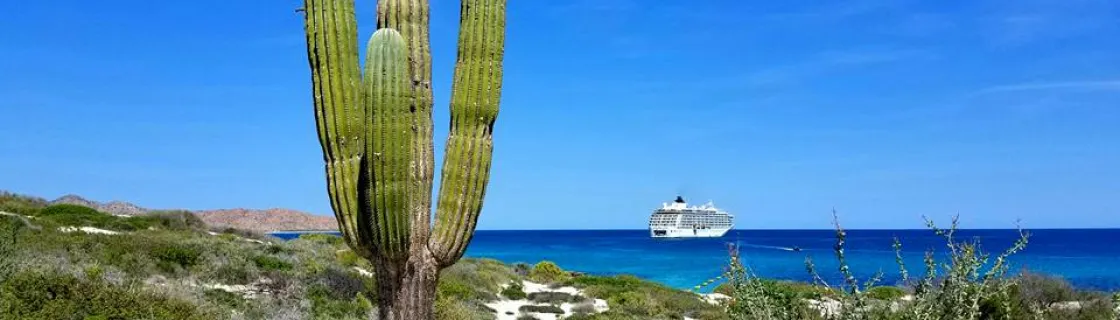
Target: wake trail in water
[(759, 246)]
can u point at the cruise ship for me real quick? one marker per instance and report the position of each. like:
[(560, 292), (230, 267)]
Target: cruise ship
[(678, 220)]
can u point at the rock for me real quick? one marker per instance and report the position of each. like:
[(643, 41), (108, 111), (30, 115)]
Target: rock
[(1066, 305)]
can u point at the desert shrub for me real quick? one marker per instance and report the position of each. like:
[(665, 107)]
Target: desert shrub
[(33, 295), (168, 220), (969, 288), (324, 238), (603, 287), (1042, 291), (554, 297), (548, 272), (233, 233), (233, 272), (454, 289), (19, 204), (324, 305), (483, 276), (171, 257), (75, 215), (453, 309), (1048, 297), (541, 309), (885, 293), (224, 298), (340, 285), (348, 258), (584, 308), (271, 263), (514, 291), (9, 233), (634, 302)]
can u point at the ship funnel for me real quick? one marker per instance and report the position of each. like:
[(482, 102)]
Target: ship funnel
[(679, 200)]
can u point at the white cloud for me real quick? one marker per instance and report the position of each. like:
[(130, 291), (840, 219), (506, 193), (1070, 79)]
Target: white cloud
[(1105, 85)]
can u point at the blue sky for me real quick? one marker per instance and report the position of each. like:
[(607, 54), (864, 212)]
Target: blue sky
[(778, 111)]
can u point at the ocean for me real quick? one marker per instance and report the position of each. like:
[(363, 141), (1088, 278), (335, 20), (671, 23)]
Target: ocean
[(1087, 258)]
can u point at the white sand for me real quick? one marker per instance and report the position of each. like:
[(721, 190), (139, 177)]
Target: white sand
[(90, 230), (509, 309)]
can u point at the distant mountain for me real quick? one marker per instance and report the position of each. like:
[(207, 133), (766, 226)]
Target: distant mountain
[(274, 219), (267, 220), (113, 207)]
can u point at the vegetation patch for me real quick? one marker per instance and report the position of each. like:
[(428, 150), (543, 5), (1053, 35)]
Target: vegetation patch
[(34, 295), (541, 309), (271, 263), (552, 297), (514, 291), (548, 272)]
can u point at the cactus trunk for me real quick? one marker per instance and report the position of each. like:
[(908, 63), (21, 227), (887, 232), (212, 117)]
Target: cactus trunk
[(375, 128)]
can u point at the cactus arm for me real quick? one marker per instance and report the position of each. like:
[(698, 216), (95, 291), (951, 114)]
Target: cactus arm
[(331, 33), (389, 140), (476, 91), (410, 18)]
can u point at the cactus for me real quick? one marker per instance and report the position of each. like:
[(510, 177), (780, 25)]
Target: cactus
[(375, 128)]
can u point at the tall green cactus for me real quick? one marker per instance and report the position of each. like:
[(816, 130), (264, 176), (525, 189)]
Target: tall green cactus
[(375, 127)]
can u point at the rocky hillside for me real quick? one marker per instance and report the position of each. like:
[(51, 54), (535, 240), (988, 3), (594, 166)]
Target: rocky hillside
[(246, 219), (119, 208), (267, 220)]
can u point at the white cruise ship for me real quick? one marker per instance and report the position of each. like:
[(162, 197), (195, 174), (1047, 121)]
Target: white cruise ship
[(678, 220)]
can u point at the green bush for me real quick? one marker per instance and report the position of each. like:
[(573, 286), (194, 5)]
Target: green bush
[(885, 293), (452, 309), (454, 289), (554, 297), (326, 306), (271, 263), (482, 275), (322, 238), (18, 204), (541, 309), (75, 215), (969, 288), (224, 298), (548, 272), (31, 295), (348, 258), (514, 291), (168, 220), (171, 257)]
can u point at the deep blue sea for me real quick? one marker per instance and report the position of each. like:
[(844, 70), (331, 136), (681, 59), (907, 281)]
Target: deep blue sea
[(1088, 258)]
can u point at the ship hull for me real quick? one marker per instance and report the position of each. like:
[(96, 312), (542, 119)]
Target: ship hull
[(687, 233)]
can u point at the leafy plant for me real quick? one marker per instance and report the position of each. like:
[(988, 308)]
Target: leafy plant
[(271, 263), (968, 288), (548, 272), (514, 291)]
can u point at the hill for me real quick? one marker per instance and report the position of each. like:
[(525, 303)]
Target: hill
[(267, 220), (258, 220)]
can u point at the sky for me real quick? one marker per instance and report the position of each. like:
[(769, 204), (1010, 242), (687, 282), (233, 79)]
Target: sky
[(778, 111)]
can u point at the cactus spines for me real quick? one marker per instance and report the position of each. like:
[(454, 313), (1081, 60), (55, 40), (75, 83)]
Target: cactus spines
[(388, 144), (474, 108), (375, 128)]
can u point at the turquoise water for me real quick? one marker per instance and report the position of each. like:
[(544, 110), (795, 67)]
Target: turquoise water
[(1088, 258)]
